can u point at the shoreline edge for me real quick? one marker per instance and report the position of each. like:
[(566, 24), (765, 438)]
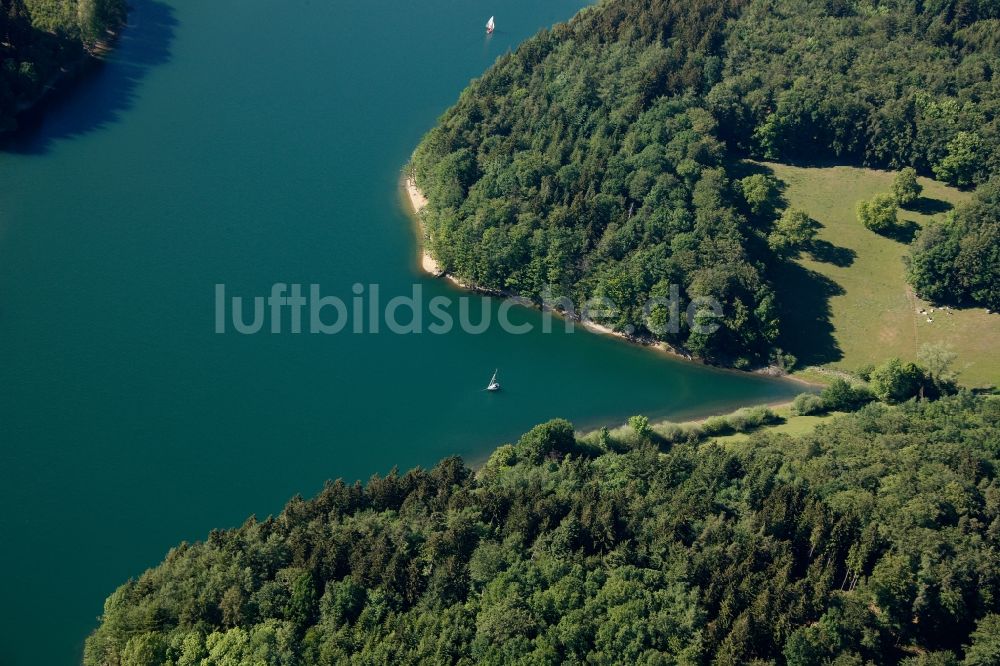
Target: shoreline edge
[(428, 264)]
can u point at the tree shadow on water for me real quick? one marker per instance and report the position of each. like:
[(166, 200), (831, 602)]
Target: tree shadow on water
[(102, 91), (804, 305)]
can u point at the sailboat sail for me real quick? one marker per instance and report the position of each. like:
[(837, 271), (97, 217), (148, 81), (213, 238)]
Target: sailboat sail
[(490, 25)]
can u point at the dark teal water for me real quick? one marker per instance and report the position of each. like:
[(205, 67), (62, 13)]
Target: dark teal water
[(248, 143)]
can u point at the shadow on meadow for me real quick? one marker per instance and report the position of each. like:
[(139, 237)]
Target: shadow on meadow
[(803, 295), (828, 253), (903, 231), (806, 317), (928, 206)]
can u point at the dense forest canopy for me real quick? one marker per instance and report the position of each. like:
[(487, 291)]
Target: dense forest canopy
[(41, 39), (957, 260), (875, 538), (598, 159)]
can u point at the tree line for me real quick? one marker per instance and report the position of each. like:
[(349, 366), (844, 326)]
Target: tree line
[(957, 260), (873, 539)]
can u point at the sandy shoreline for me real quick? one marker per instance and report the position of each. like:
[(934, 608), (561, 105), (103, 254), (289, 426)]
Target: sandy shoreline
[(429, 265), (417, 203)]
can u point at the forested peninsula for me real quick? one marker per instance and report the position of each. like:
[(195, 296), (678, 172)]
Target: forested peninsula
[(41, 41), (873, 539), (603, 157)]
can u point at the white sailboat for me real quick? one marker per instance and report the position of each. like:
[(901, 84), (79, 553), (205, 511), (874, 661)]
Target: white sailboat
[(490, 26), (494, 385)]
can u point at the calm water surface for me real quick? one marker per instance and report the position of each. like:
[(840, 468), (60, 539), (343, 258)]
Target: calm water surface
[(248, 143)]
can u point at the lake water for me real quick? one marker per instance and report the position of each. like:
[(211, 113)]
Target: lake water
[(248, 143)]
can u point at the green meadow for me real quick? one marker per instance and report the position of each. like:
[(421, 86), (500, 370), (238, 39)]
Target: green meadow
[(845, 302), (792, 425)]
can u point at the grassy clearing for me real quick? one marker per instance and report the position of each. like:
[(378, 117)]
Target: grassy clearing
[(778, 419), (846, 303), (792, 425)]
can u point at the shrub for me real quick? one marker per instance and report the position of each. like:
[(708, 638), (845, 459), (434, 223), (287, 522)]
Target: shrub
[(895, 381), (806, 404), (905, 187), (716, 425), (863, 395), (842, 395), (639, 425), (758, 416), (694, 433), (783, 360), (504, 456), (793, 230), (878, 214), (739, 422), (556, 437), (938, 359), (671, 433), (758, 190)]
